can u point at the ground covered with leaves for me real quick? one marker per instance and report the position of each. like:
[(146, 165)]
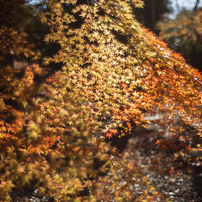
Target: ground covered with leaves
[(174, 185)]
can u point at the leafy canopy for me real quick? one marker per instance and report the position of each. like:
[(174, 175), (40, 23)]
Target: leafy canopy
[(121, 79), (111, 67)]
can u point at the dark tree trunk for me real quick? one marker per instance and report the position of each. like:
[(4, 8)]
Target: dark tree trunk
[(196, 5)]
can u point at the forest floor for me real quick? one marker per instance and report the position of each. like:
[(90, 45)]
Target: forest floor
[(176, 186)]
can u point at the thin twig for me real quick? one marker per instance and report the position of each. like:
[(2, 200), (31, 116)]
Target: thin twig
[(106, 13)]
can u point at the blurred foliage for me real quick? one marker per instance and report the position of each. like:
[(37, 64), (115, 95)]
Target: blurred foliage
[(52, 135), (152, 12), (184, 35)]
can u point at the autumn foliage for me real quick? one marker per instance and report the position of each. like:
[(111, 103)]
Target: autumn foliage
[(184, 34), (53, 132)]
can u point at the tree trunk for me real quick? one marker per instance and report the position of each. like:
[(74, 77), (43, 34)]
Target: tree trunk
[(196, 5)]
